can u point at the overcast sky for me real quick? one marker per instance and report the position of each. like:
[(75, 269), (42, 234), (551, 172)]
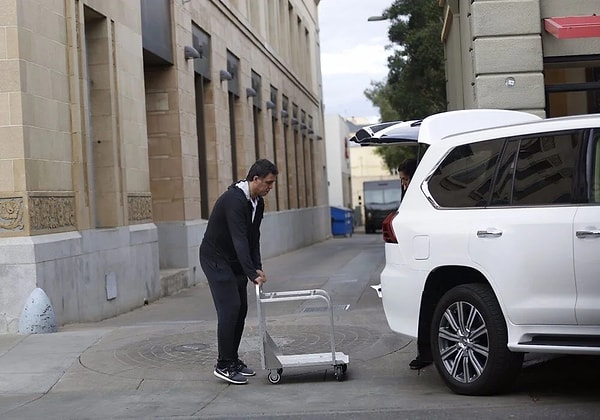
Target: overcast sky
[(352, 54)]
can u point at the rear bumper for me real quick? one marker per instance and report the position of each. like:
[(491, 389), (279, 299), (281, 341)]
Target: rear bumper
[(401, 290)]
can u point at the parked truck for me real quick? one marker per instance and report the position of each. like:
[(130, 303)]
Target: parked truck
[(380, 199)]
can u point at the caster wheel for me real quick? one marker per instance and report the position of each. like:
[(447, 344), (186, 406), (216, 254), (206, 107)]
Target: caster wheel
[(274, 377), (339, 373)]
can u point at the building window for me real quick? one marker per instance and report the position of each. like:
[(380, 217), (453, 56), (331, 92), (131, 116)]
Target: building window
[(256, 113), (312, 159), (156, 32), (572, 85), (201, 42), (233, 89), (307, 160), (298, 158), (274, 119), (289, 149)]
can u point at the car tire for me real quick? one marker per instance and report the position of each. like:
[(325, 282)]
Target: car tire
[(469, 342)]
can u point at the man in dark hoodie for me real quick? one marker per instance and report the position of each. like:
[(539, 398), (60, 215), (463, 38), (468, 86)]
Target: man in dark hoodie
[(230, 257)]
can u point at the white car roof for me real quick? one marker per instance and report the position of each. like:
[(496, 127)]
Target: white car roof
[(438, 126), (537, 126)]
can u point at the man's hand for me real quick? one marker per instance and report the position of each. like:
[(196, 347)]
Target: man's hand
[(261, 279)]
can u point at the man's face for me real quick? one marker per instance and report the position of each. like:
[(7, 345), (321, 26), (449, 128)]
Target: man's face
[(404, 179), (264, 185)]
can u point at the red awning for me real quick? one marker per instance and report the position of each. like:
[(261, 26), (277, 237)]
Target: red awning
[(573, 26)]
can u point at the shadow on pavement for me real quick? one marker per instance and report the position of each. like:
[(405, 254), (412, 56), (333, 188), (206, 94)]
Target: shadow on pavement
[(565, 376)]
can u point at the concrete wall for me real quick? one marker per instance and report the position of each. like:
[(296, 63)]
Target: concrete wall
[(72, 269), (285, 231)]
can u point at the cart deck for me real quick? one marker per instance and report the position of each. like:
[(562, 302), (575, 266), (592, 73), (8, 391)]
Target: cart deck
[(272, 358)]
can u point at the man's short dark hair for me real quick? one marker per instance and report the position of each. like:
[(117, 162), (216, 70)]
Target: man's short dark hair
[(409, 166), (261, 168)]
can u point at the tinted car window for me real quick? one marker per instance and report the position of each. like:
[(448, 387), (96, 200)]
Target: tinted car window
[(595, 175), (544, 169), (502, 194), (464, 177)]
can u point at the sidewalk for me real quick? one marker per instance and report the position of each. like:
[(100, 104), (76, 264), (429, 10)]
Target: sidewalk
[(157, 361)]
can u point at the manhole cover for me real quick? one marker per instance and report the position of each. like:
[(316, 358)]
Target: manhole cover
[(186, 348)]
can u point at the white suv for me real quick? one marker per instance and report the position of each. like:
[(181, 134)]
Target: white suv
[(495, 249)]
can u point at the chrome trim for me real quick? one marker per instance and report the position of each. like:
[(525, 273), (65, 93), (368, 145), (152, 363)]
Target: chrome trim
[(587, 234), (489, 233)]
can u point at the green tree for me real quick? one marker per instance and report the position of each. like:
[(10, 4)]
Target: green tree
[(416, 83), (378, 95), (394, 155)]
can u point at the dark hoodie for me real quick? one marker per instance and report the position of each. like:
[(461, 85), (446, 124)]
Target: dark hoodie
[(231, 237)]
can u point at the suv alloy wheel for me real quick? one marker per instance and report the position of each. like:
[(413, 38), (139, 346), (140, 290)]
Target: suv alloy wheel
[(468, 336)]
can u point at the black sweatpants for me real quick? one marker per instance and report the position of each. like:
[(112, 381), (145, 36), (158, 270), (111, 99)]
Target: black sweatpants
[(229, 292)]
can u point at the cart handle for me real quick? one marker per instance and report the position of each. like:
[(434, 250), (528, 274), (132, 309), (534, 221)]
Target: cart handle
[(266, 297)]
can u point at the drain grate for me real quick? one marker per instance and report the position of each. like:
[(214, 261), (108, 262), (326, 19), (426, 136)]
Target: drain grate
[(325, 308)]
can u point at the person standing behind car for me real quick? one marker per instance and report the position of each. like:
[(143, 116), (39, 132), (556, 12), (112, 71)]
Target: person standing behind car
[(406, 170), (230, 257)]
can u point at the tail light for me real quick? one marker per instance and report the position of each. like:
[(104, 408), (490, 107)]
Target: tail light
[(388, 231)]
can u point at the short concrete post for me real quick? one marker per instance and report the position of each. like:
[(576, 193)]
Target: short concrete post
[(37, 315)]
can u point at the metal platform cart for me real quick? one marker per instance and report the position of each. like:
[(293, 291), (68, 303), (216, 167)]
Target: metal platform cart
[(271, 355)]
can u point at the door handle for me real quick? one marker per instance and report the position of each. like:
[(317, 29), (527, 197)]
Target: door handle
[(587, 234), (489, 233)]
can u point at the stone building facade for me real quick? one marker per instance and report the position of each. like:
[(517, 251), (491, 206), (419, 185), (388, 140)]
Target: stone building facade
[(122, 121), (539, 56)]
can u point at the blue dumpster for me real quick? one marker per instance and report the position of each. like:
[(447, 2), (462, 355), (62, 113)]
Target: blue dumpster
[(341, 221)]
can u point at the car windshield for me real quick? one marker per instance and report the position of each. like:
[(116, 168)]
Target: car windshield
[(383, 196)]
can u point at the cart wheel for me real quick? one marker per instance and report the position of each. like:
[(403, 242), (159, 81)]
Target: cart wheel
[(274, 377), (339, 373)]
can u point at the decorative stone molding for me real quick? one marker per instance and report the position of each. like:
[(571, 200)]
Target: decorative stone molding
[(139, 208), (11, 214), (51, 212)]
